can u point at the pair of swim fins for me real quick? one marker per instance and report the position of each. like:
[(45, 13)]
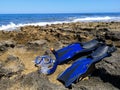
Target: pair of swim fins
[(74, 50), (81, 66)]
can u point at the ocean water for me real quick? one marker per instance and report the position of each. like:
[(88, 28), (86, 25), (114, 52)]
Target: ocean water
[(13, 21)]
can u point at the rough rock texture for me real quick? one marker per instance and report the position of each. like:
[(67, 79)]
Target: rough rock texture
[(11, 66), (35, 45), (114, 35), (112, 64), (19, 48), (4, 45)]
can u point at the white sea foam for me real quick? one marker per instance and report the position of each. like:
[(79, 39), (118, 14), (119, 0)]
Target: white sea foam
[(92, 19), (13, 26)]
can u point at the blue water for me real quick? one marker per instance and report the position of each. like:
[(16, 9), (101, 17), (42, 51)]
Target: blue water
[(16, 20)]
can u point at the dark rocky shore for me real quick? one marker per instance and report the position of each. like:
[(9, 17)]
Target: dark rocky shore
[(19, 48)]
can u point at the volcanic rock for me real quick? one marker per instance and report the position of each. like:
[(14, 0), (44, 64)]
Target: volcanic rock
[(11, 66), (36, 45), (4, 45), (113, 35)]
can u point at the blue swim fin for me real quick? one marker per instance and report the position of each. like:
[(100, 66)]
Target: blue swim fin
[(81, 66)]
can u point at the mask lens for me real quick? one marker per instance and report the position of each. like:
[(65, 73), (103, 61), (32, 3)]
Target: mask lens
[(46, 60)]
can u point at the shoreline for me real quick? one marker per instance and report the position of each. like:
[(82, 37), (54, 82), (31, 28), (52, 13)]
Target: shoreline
[(14, 26), (19, 48)]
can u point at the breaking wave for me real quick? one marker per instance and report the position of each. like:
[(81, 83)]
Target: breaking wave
[(93, 19), (12, 26)]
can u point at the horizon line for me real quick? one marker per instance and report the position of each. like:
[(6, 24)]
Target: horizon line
[(64, 13)]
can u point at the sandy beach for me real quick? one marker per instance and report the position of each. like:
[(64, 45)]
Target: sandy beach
[(19, 48)]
